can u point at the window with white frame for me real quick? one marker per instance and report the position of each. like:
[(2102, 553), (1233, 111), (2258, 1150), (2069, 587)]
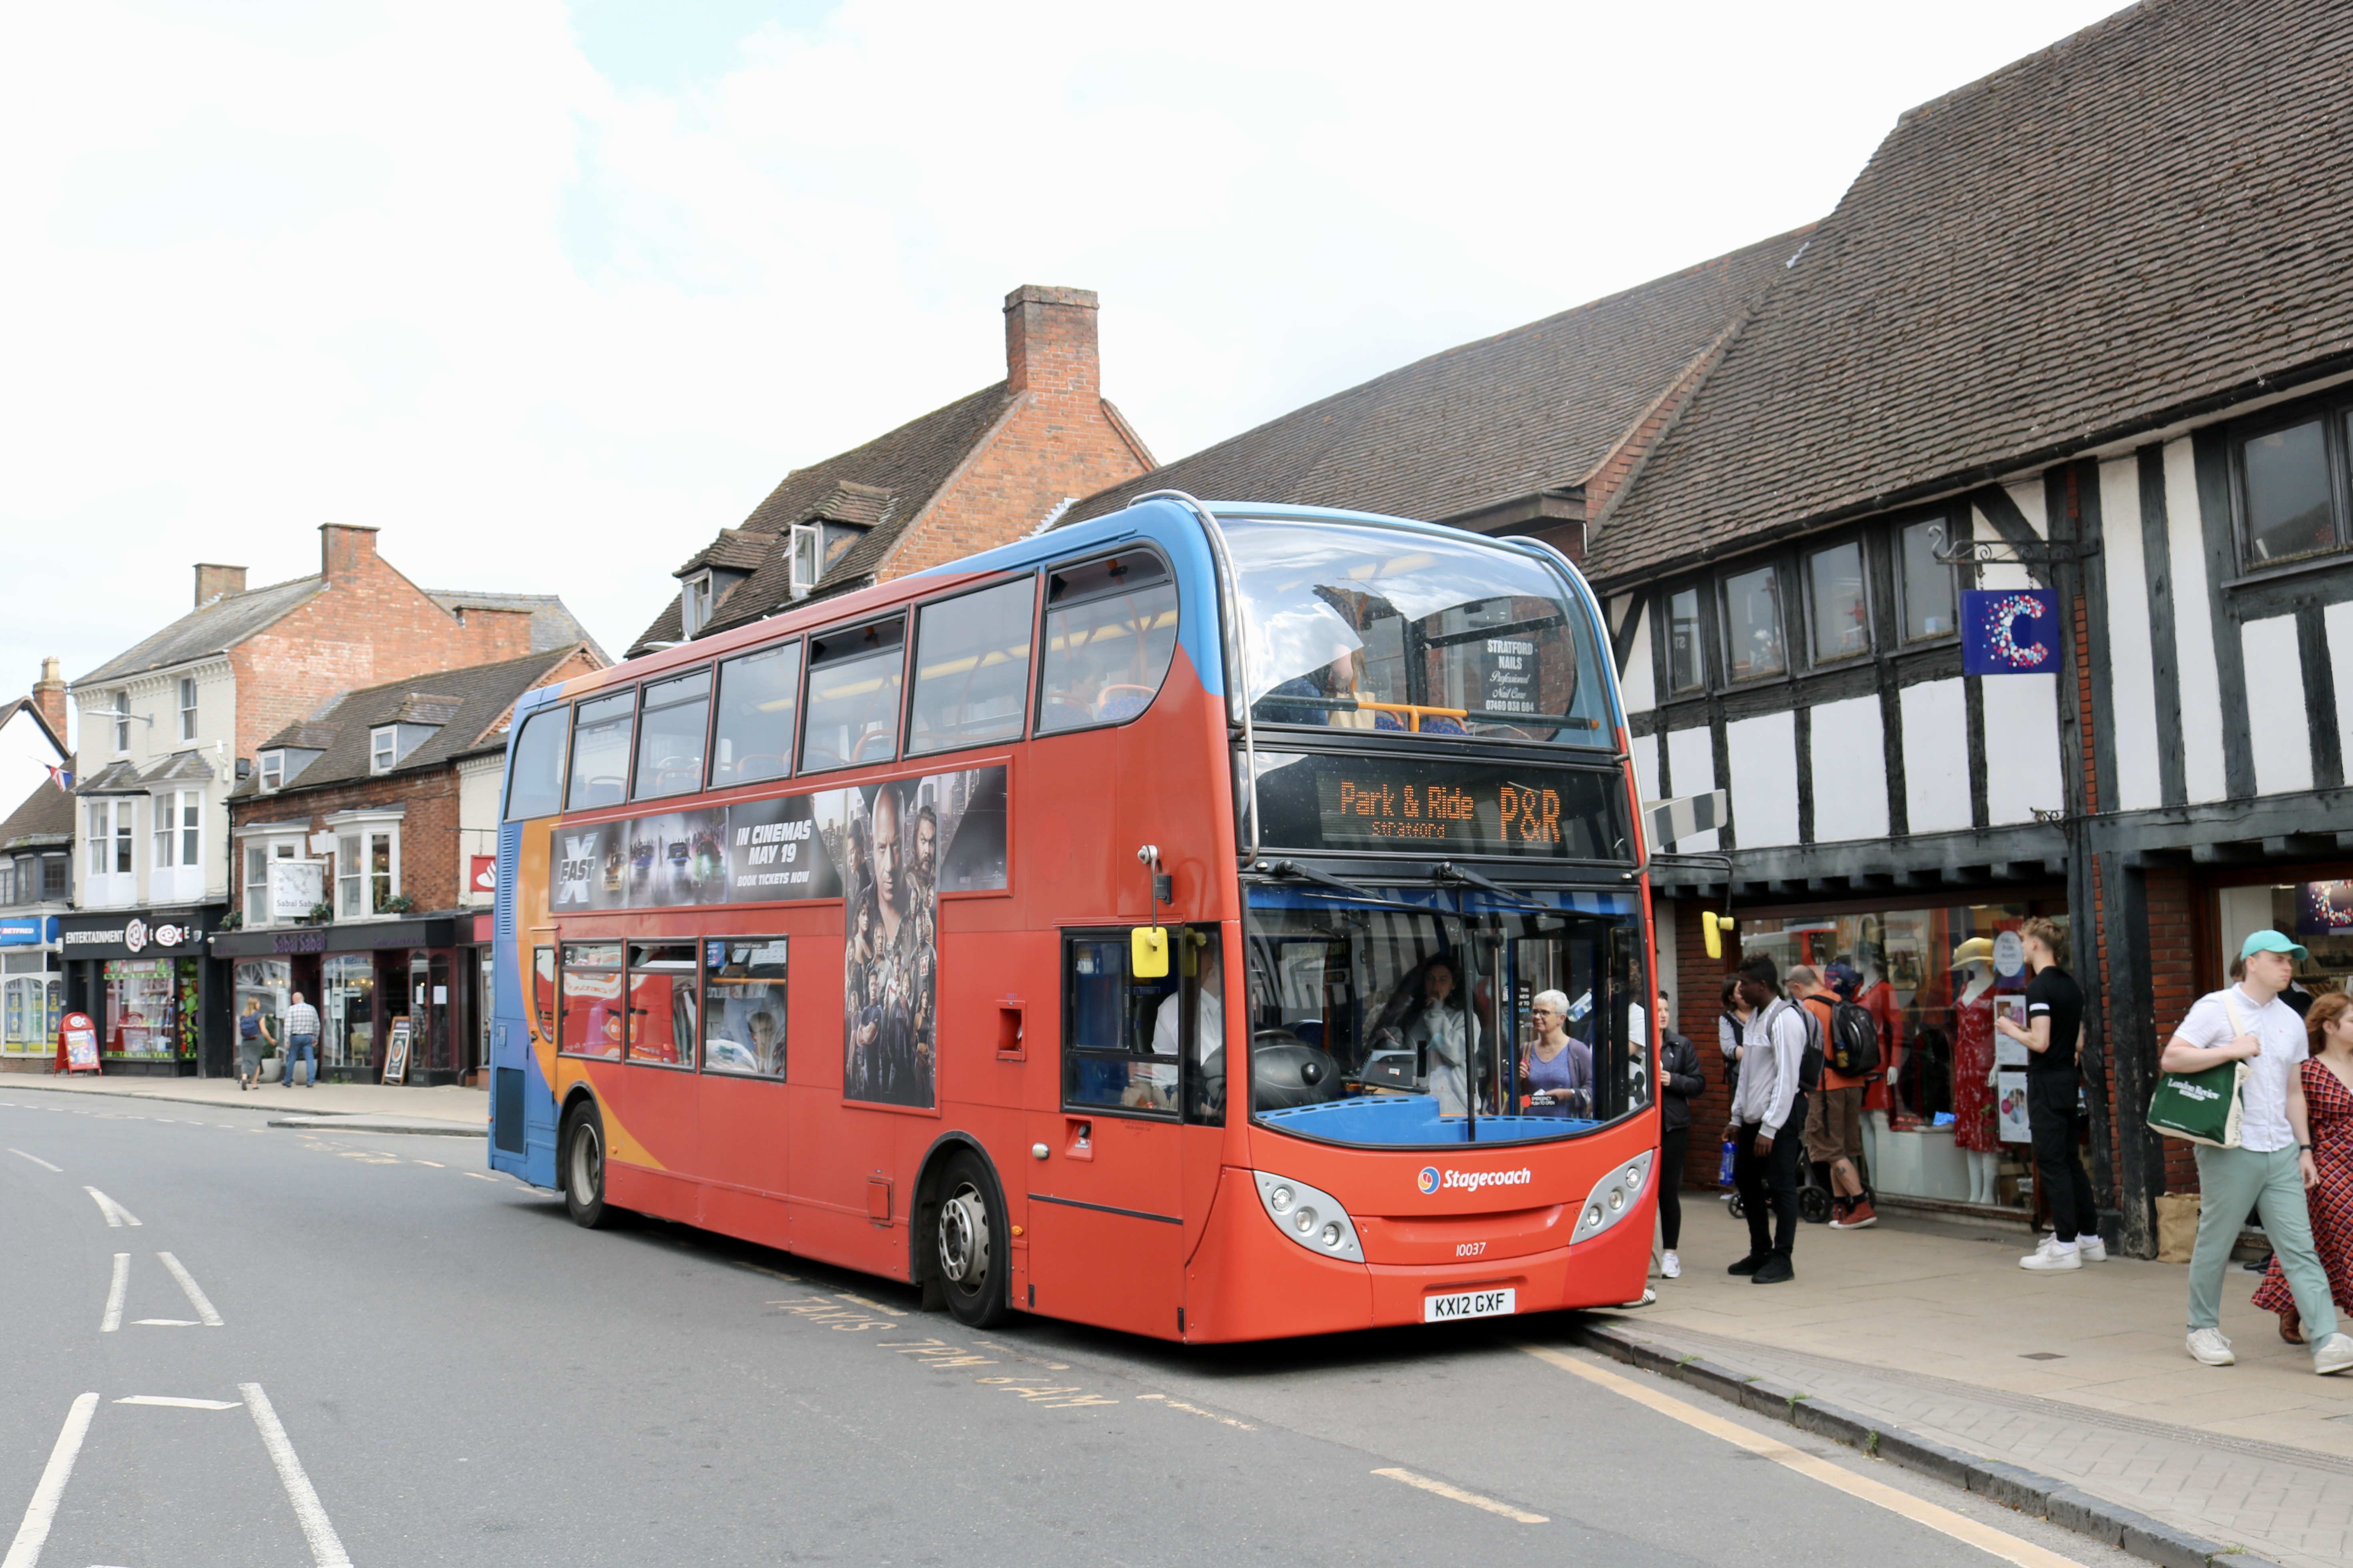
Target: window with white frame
[(367, 870), (120, 708), (383, 749), (187, 708), (807, 555), (179, 829), (258, 854), (273, 771), (109, 838), (694, 604)]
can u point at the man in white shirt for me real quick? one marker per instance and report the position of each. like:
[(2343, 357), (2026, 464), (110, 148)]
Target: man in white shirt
[(2272, 1166), (1769, 1119)]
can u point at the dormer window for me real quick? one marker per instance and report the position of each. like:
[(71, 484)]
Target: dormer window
[(384, 748), (694, 604), (273, 771), (808, 558)]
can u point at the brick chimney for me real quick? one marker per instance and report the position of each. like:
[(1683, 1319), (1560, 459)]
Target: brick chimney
[(1050, 342), (49, 698), (345, 549), (212, 582)]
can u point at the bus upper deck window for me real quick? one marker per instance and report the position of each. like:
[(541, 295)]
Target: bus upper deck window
[(972, 668), (535, 773), (600, 752), (1110, 630), (669, 735), (758, 695), (853, 696)]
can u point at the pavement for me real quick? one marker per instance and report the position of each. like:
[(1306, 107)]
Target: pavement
[(267, 1345), (386, 1106), (1933, 1329)]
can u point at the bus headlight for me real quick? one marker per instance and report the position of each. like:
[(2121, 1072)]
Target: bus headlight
[(1311, 1217), (1612, 1198)]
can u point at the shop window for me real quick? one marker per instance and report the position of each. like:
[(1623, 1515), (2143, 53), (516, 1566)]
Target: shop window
[(669, 735), (1116, 1052), (1927, 583), (347, 1010), (1686, 665), (660, 1025), (2319, 915), (535, 766), (591, 1000), (368, 872), (1841, 615), (1110, 632), (1753, 648), (600, 752), (148, 1001), (187, 708), (853, 696), (743, 1005), (972, 668), (2287, 498), (758, 695)]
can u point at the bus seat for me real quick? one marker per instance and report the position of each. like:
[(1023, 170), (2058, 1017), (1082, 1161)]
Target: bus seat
[(1387, 720), (1440, 724), (759, 765), (1122, 703)]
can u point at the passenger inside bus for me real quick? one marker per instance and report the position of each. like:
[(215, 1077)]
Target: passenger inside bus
[(1557, 1074), (1332, 690), (1073, 687)]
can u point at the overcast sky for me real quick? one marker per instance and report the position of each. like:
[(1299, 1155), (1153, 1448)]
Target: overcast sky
[(549, 293)]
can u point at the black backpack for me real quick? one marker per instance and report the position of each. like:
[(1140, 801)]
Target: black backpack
[(1854, 1040)]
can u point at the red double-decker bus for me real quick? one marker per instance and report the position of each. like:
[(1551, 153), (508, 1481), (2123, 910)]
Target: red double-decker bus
[(1215, 921)]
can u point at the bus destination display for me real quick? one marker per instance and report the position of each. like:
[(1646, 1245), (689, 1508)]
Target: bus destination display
[(1403, 805)]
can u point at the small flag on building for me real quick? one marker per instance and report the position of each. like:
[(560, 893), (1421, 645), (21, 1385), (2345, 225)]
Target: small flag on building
[(61, 777)]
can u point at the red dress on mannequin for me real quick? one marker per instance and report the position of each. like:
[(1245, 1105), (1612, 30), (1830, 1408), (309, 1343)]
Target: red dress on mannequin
[(1973, 1126)]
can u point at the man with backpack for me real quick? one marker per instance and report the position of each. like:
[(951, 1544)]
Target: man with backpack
[(1769, 1119), (1834, 1114)]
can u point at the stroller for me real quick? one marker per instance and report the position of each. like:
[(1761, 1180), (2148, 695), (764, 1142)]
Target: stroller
[(1814, 1192)]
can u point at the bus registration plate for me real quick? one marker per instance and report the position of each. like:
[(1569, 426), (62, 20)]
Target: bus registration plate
[(1468, 1304)]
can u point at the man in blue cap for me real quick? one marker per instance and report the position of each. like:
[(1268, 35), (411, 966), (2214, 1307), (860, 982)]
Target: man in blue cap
[(2272, 1164)]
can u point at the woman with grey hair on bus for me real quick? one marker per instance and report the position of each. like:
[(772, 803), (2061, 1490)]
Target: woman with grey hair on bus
[(1557, 1071)]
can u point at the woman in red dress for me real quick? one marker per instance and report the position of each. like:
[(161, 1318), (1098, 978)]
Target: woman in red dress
[(2329, 1102)]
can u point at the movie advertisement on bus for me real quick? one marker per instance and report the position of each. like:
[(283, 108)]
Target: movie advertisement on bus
[(645, 863), (900, 845)]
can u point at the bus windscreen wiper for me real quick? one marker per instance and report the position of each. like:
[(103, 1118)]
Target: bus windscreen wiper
[(1448, 871), (1290, 868)]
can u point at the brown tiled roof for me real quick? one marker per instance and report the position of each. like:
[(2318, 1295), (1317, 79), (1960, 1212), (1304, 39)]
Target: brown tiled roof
[(2156, 213), (735, 550), (44, 816), (1537, 406), (552, 626), (889, 479), (210, 627)]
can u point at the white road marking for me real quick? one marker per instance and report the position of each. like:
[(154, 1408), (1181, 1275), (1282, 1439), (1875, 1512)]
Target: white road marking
[(179, 1404), (435, 1163), (188, 1287), (113, 1318), (117, 1217), (1197, 1410), (26, 1551), (163, 1322), (1459, 1495), (326, 1547), (1944, 1520), (36, 1160)]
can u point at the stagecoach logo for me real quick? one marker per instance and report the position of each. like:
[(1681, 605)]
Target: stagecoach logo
[(578, 865), (1430, 1181)]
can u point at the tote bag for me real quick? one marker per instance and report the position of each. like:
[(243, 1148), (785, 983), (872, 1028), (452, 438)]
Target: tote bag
[(2202, 1106)]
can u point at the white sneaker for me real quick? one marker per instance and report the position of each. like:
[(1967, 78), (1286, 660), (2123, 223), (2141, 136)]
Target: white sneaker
[(2051, 1255), (2093, 1249), (2333, 1354), (1670, 1267), (2208, 1346)]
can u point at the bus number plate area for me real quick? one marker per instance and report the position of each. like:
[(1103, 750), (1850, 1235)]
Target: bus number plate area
[(1456, 1304)]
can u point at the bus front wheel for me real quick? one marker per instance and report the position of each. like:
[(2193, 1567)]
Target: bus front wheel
[(584, 1168), (969, 1256)]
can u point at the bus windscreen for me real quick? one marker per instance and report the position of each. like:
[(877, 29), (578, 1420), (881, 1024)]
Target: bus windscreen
[(1362, 628)]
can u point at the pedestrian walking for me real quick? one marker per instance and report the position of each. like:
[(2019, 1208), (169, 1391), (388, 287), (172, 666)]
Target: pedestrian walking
[(302, 1043), (1679, 1078), (1834, 1112), (2272, 1164), (2327, 1077), (1732, 1031), (2054, 1022), (1768, 1120), (254, 1040)]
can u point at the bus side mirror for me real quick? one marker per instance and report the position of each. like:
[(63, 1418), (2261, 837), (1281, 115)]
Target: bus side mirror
[(1147, 956), (1709, 925)]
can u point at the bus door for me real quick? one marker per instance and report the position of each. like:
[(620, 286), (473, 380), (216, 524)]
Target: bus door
[(523, 1103), (1108, 1235)]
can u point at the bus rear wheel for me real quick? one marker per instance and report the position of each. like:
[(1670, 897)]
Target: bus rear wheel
[(969, 1256), (584, 1168)]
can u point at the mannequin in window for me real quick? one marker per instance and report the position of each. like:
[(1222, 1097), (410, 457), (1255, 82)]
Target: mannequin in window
[(1973, 1066), (1878, 998)]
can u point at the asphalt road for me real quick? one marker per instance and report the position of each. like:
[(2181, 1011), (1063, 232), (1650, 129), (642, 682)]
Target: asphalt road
[(456, 1374)]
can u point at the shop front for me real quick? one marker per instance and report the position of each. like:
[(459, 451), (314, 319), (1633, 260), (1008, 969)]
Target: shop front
[(32, 992), (2312, 903), (366, 978), (1945, 1121), (145, 978)]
